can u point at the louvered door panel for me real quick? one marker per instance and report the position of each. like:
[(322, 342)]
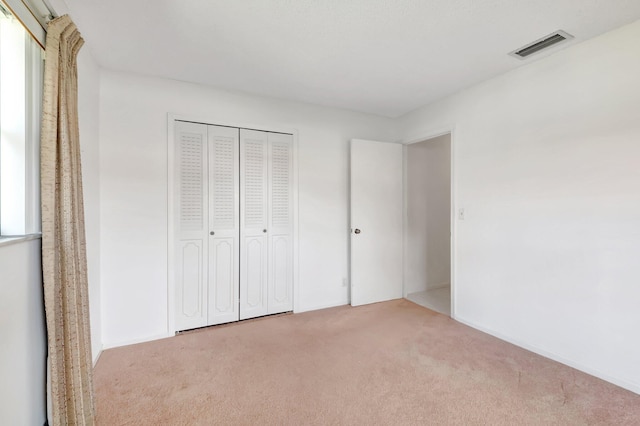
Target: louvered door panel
[(191, 245), (224, 262), (280, 235), (253, 223)]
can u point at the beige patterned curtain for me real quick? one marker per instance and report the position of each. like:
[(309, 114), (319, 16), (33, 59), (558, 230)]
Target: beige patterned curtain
[(64, 262)]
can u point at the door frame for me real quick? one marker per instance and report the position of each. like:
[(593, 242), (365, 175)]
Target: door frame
[(422, 137), (171, 285)]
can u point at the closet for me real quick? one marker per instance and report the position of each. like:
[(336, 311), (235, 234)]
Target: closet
[(232, 224)]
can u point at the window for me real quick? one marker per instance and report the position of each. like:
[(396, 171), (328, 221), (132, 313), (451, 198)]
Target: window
[(21, 75)]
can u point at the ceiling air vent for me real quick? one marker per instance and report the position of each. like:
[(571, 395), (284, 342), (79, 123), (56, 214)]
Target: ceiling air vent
[(541, 44)]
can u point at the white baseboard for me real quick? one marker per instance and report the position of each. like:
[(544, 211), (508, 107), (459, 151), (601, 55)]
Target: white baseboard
[(322, 306), (117, 344), (96, 357), (437, 286), (633, 387), (429, 287)]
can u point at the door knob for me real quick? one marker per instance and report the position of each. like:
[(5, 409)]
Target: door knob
[(264, 230), (212, 233), (357, 231)]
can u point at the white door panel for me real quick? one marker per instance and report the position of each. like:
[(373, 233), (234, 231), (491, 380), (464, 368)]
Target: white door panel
[(376, 221), (222, 289), (224, 224), (254, 289), (191, 304), (191, 243), (280, 230), (280, 274), (253, 223)]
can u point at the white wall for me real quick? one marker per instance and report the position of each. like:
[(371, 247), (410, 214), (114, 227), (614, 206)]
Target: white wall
[(547, 169), (133, 192), (88, 117), (23, 350), (428, 214)]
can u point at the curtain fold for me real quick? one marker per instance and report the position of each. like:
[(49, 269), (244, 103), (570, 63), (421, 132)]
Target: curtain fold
[(64, 261)]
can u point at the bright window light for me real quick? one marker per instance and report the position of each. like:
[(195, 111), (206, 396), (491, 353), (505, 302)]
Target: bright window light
[(21, 69)]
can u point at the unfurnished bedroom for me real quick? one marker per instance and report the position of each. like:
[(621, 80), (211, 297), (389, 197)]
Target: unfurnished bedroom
[(319, 212)]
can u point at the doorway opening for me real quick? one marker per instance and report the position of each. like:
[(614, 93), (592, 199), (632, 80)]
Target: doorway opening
[(428, 223)]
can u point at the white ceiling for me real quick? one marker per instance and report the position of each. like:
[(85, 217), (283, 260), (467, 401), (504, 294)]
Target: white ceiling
[(385, 57)]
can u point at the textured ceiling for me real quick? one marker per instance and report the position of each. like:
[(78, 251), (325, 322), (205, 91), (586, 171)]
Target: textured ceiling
[(385, 57)]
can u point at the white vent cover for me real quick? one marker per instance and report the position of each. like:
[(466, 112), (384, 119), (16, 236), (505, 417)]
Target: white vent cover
[(541, 44)]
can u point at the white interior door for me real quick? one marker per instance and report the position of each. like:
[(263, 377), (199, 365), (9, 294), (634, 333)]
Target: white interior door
[(253, 223), (224, 225), (376, 221), (191, 233)]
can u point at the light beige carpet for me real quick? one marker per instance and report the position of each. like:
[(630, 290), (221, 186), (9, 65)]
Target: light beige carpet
[(390, 363)]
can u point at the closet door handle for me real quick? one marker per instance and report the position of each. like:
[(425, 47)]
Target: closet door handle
[(357, 231), (264, 230), (212, 233)]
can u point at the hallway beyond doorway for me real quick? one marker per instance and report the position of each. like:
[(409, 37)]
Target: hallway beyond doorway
[(437, 299)]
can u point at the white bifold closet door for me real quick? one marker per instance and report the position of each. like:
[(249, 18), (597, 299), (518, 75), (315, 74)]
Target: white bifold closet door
[(266, 225), (233, 227)]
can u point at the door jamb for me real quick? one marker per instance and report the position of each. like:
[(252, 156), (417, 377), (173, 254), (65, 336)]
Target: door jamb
[(434, 133), (171, 119)]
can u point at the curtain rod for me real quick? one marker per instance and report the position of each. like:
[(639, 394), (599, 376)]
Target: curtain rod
[(52, 13), (41, 11)]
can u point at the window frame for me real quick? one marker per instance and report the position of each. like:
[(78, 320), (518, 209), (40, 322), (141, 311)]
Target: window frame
[(28, 224)]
